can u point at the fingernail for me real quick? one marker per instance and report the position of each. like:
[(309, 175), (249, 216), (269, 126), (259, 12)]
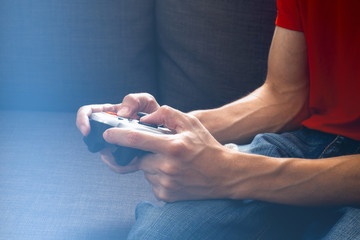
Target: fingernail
[(144, 118), (124, 111)]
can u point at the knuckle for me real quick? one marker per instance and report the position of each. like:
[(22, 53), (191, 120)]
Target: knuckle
[(169, 169), (130, 98), (149, 97), (151, 102), (161, 194), (82, 109), (167, 184), (165, 109), (157, 192), (177, 148), (153, 105), (107, 106)]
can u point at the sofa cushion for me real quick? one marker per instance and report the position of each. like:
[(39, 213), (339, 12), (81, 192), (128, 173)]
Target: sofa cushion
[(59, 55), (212, 51), (51, 187)]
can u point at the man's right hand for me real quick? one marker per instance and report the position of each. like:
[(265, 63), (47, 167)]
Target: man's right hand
[(130, 106)]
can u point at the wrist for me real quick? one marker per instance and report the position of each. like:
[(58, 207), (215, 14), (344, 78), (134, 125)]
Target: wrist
[(234, 174), (201, 115), (253, 176), (213, 121), (204, 117)]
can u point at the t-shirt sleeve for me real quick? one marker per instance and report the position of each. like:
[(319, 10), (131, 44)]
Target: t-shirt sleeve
[(288, 15)]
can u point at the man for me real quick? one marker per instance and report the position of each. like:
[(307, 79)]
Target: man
[(309, 99)]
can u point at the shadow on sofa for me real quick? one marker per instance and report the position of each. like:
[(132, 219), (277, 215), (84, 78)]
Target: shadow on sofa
[(56, 56)]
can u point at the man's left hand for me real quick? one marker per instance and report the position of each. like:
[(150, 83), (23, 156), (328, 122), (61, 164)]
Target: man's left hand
[(187, 165)]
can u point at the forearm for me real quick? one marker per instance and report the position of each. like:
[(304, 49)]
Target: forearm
[(261, 111), (276, 106), (329, 181)]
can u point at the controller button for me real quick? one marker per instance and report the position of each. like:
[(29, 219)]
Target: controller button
[(142, 114), (112, 113), (149, 125)]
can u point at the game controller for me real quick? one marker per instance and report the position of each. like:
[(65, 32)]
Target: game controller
[(100, 121)]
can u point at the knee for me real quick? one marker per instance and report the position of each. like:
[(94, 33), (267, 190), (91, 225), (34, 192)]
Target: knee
[(149, 222), (166, 222)]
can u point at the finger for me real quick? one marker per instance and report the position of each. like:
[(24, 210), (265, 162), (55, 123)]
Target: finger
[(137, 102), (150, 164), (169, 183), (162, 194), (153, 179), (82, 117), (108, 159), (146, 141), (172, 119)]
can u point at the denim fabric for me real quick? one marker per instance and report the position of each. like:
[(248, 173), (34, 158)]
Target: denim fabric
[(248, 219)]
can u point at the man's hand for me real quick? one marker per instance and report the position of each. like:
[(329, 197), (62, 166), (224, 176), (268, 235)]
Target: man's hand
[(187, 165), (130, 106)]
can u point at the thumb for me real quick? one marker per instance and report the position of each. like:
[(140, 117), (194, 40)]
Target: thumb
[(172, 119)]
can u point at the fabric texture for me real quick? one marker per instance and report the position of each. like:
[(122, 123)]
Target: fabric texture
[(211, 52), (249, 219), (330, 28), (60, 55), (52, 187)]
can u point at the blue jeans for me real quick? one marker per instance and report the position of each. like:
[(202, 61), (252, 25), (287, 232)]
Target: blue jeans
[(248, 219)]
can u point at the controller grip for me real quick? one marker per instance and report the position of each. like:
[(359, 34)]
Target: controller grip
[(95, 142), (124, 155)]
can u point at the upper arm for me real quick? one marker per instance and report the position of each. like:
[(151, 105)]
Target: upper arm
[(287, 82), (279, 105), (285, 93), (287, 63)]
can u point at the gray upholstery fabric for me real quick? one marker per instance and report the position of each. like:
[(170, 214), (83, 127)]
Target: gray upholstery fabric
[(51, 187), (60, 55), (212, 51)]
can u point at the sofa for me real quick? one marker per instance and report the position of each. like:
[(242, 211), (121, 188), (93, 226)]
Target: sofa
[(56, 56)]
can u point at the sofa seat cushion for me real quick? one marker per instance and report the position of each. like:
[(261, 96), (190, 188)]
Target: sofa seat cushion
[(51, 187)]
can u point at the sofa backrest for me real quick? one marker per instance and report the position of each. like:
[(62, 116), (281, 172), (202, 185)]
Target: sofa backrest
[(212, 52), (59, 55)]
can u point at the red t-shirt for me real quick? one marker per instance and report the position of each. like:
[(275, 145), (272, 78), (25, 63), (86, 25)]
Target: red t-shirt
[(332, 32)]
